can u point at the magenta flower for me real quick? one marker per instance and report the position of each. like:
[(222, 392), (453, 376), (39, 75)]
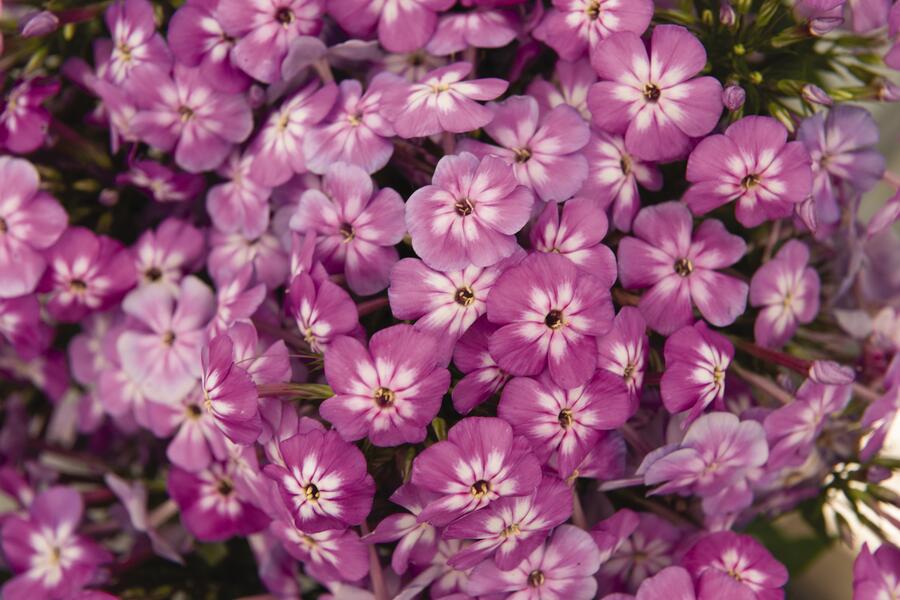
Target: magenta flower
[(161, 183), (792, 429), (482, 378), (417, 542), (198, 442), (876, 575), (568, 423), (229, 252), (892, 58), (239, 204), (563, 567), (30, 221), (842, 145), (787, 291), (714, 461), (511, 528), (469, 215), (446, 304), (723, 563), (753, 164), (265, 30), (879, 418), (671, 582), (323, 311), (277, 149), (332, 555), (229, 393), (680, 268), (183, 113), (161, 352), (236, 301), (46, 555), (623, 351), (571, 83), (164, 255), (479, 463), (474, 29), (614, 175), (638, 544), (135, 42), (354, 132), (444, 100), (266, 363), (576, 232), (86, 273), (654, 100), (402, 25), (323, 481), (550, 313), (696, 361), (211, 505), (544, 150), (573, 27), (385, 393), (356, 226), (20, 324), (23, 121), (198, 38)]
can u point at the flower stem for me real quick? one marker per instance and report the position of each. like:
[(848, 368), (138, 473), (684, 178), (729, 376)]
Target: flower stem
[(763, 383), (375, 572)]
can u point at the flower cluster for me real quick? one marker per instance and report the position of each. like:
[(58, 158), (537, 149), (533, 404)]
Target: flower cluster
[(423, 299)]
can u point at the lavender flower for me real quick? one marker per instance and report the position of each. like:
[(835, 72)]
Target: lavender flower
[(24, 121), (696, 362)]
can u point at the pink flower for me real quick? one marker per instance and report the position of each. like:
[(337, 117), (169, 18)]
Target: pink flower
[(623, 351), (614, 175), (876, 575), (444, 304), (482, 378), (385, 393), (161, 352), (183, 113), (164, 255), (24, 122), (671, 582), (229, 393), (753, 164), (479, 463), (135, 42), (48, 558), (544, 150), (20, 324), (696, 362), (714, 461), (323, 311), (198, 39), (402, 25), (239, 204), (444, 100), (475, 29), (323, 481), (277, 149), (787, 291), (550, 313), (354, 132), (417, 541), (571, 83), (161, 183), (86, 273), (575, 231), (511, 528), (726, 565), (638, 545), (211, 506), (652, 99), (265, 30), (574, 26), (563, 567), (30, 221), (197, 441), (356, 226), (679, 267), (567, 423), (236, 300), (230, 252), (469, 215)]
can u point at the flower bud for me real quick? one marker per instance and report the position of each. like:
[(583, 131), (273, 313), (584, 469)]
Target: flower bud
[(727, 16), (733, 97), (819, 26), (816, 95), (38, 24)]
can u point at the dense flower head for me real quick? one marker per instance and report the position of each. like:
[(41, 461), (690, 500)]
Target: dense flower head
[(371, 299)]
